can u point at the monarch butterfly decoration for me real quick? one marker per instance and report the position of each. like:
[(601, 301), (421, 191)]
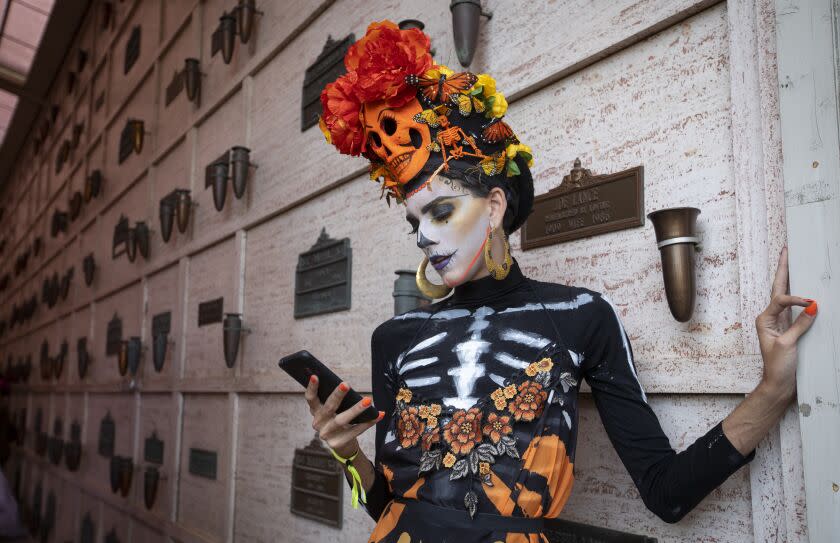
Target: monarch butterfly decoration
[(444, 89), (468, 103), (493, 164), (497, 130)]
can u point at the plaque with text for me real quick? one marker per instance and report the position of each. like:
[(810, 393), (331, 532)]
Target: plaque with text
[(107, 436), (153, 449), (322, 277), (132, 49), (327, 67), (203, 463), (317, 484), (586, 205), (174, 88), (210, 312), (113, 336)]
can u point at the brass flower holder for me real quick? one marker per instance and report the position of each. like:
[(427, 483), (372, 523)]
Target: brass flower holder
[(232, 329), (89, 267), (192, 79), (82, 357), (677, 241), (183, 207), (240, 158), (465, 18)]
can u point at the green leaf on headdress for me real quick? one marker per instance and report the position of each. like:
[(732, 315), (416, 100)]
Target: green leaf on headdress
[(512, 168), (477, 90), (526, 155)]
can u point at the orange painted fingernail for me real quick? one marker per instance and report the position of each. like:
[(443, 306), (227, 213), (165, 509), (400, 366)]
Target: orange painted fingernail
[(312, 378), (366, 401), (381, 414), (343, 387), (811, 309)]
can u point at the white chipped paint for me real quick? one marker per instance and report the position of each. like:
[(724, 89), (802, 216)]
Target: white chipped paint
[(577, 358), (581, 300), (422, 381), (568, 419), (498, 379), (525, 338), (510, 360)]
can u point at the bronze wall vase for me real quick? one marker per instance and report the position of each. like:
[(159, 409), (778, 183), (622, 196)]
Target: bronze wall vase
[(115, 473), (73, 447), (183, 206), (45, 364), (78, 128), (75, 205), (161, 325), (93, 184), (240, 159), (126, 475), (83, 357), (122, 359), (167, 217), (89, 267), (218, 178), (65, 283), (465, 18), (37, 245), (56, 442), (232, 330), (150, 485), (135, 348), (245, 12), (59, 222), (227, 29), (677, 241), (192, 79)]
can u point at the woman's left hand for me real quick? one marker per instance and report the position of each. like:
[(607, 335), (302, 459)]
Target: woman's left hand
[(778, 346)]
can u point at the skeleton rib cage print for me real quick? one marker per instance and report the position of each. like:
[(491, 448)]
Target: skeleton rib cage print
[(480, 395)]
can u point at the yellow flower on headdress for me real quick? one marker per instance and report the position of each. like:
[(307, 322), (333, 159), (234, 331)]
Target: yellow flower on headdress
[(499, 106), (323, 126), (437, 71), (487, 84), (520, 148)]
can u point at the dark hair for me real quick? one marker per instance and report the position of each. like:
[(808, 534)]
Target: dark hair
[(519, 189)]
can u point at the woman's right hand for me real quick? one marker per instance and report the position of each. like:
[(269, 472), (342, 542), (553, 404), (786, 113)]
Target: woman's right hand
[(336, 429)]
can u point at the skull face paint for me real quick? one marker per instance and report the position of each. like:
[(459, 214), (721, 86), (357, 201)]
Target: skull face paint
[(451, 228), (393, 135)]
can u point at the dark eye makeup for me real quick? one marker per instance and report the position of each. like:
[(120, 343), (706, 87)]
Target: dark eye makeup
[(440, 212)]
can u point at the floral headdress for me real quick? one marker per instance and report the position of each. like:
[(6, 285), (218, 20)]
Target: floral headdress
[(410, 116)]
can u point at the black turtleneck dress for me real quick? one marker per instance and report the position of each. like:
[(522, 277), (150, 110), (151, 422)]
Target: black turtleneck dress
[(480, 398)]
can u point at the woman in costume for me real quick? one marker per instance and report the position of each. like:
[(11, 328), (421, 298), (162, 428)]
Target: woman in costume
[(478, 392)]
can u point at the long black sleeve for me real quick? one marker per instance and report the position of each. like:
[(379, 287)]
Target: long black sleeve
[(671, 484), (383, 399)]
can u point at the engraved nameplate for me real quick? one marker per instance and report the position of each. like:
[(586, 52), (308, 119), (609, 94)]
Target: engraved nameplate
[(327, 67), (175, 87), (322, 277), (113, 336), (107, 435), (153, 449), (203, 463), (132, 49), (161, 323), (210, 312), (317, 485), (586, 205)]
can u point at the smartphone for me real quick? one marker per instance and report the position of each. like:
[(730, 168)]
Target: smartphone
[(302, 365)]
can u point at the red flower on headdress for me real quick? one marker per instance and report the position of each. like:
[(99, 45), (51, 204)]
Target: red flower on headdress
[(341, 114), (383, 57)]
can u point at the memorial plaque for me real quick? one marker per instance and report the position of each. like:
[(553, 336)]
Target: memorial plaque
[(132, 49), (210, 312), (586, 205), (87, 530), (126, 143), (120, 240), (161, 323), (322, 277), (203, 463), (208, 170), (175, 87), (107, 436), (153, 449), (327, 67), (317, 484), (113, 337)]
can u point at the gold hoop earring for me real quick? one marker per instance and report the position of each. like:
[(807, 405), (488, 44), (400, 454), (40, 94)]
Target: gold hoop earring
[(428, 288), (497, 271)]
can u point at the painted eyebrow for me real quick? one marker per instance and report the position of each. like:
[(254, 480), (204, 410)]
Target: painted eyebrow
[(434, 202)]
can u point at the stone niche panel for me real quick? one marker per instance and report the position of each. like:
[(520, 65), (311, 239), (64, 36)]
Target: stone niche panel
[(294, 164), (379, 248), (127, 304), (603, 485), (147, 17), (163, 294), (97, 469), (271, 427), (134, 205), (171, 173), (99, 100), (142, 107), (81, 327), (219, 74), (202, 501), (680, 93), (212, 274), (221, 131), (173, 15), (174, 117), (115, 523), (158, 416)]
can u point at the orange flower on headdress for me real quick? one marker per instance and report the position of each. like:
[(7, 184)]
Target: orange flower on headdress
[(341, 109), (382, 59)]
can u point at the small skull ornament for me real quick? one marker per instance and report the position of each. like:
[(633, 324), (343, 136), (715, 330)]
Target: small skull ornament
[(393, 135)]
